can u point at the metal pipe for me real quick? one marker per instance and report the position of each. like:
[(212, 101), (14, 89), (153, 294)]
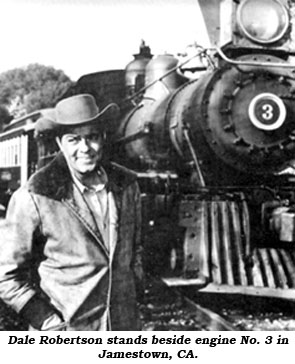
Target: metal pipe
[(249, 63), (195, 158)]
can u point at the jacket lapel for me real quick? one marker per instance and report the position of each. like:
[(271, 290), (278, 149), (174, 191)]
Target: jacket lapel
[(117, 182), (113, 223), (77, 204), (117, 194)]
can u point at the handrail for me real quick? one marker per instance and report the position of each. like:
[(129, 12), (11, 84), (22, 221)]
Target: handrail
[(253, 63)]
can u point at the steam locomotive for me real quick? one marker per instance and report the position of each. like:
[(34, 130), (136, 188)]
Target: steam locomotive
[(211, 137)]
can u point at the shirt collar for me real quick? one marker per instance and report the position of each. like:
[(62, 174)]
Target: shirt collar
[(102, 184)]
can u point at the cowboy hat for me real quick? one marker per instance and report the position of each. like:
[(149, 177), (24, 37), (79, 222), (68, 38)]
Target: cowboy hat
[(75, 111), (45, 123)]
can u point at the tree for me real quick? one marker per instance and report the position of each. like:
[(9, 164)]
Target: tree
[(23, 90), (5, 117)]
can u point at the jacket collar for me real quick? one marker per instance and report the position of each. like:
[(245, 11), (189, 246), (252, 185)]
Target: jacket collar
[(55, 180)]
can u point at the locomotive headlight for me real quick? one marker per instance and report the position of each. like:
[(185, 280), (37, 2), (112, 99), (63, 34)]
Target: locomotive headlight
[(263, 21)]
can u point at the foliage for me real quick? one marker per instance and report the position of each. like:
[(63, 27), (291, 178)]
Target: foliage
[(5, 116), (23, 90)]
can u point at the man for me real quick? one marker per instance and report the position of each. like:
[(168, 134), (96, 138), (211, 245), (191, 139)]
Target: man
[(70, 243)]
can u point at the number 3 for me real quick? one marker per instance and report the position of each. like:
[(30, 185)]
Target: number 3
[(268, 112)]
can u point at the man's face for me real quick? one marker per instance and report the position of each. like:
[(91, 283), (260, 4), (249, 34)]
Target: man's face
[(82, 147)]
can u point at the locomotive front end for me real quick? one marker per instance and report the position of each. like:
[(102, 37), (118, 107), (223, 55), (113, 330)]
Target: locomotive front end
[(241, 116), (235, 125), (213, 155)]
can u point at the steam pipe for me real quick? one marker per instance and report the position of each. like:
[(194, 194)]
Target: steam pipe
[(195, 158)]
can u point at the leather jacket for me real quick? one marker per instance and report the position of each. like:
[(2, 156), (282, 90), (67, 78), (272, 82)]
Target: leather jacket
[(53, 258)]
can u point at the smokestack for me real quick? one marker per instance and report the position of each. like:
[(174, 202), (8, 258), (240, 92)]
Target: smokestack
[(217, 15)]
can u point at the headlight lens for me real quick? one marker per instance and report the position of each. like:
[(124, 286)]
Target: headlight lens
[(263, 21)]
